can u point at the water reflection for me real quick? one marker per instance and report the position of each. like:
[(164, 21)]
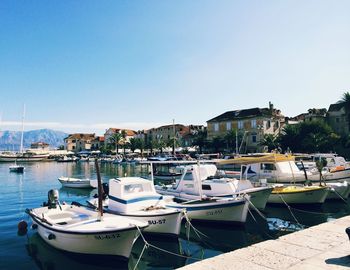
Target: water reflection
[(162, 253), (221, 237)]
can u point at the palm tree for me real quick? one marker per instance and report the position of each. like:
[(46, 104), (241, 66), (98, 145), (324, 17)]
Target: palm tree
[(133, 144), (270, 141), (116, 139), (345, 100), (200, 140), (124, 134), (230, 138)]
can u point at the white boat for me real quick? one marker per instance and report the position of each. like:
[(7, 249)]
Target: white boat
[(77, 183), (338, 190), (136, 198), (16, 168), (232, 210), (278, 168), (79, 229), (22, 157), (212, 185), (297, 194)]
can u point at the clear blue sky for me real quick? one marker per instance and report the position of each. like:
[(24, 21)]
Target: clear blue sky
[(88, 65)]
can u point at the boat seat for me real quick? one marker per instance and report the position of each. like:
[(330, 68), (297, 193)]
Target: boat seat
[(68, 218)]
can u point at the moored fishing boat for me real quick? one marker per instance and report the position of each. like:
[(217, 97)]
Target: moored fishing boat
[(232, 210), (80, 230), (295, 194), (203, 179), (136, 198)]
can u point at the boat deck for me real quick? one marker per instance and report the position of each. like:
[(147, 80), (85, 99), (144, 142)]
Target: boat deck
[(325, 246)]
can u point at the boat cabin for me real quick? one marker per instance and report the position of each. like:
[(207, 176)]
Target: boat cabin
[(128, 194)]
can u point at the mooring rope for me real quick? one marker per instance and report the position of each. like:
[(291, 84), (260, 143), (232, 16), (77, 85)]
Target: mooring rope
[(290, 210), (147, 245)]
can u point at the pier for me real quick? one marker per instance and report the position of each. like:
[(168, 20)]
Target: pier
[(325, 246)]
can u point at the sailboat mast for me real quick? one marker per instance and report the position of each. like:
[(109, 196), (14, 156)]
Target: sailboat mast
[(24, 111), (174, 137)]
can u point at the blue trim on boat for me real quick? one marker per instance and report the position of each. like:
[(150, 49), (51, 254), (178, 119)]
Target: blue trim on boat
[(140, 199), (192, 207)]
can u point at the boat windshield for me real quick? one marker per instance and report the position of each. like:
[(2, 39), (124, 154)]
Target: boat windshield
[(135, 188)]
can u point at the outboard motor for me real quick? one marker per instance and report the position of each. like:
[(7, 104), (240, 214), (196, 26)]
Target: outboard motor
[(105, 188), (52, 199)]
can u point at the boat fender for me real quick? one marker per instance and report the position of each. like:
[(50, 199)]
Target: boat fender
[(22, 227), (347, 230), (51, 236), (34, 226)]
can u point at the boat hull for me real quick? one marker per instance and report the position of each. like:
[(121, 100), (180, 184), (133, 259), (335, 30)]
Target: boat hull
[(167, 224), (72, 183), (115, 243), (218, 211), (338, 191), (76, 229), (305, 196)]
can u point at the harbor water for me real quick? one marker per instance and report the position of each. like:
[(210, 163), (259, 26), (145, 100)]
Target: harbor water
[(29, 251)]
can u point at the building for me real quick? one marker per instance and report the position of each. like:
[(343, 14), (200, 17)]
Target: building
[(337, 119), (79, 142), (250, 124), (40, 146), (97, 143), (312, 115), (108, 141), (167, 132)]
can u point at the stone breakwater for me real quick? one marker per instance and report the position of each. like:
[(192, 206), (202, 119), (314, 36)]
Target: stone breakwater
[(325, 246)]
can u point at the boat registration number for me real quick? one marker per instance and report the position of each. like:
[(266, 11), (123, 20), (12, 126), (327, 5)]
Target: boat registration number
[(159, 221), (107, 236), (215, 212)]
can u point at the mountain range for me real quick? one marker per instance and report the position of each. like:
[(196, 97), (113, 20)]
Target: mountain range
[(11, 140)]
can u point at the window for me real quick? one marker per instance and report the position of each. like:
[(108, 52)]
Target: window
[(240, 124), (206, 187), (254, 138), (228, 126), (216, 126), (188, 176), (253, 123), (337, 120), (268, 124), (133, 188), (268, 166)]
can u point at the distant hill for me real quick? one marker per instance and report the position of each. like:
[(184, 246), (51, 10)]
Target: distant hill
[(11, 140)]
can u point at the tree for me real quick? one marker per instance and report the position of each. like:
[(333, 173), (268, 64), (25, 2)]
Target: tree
[(173, 142), (217, 143), (140, 145), (151, 145), (133, 144), (116, 139), (270, 141), (124, 142), (320, 164), (309, 137), (200, 140), (230, 139), (160, 144), (345, 99)]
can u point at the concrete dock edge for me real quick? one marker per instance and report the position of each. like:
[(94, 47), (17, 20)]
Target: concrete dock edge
[(325, 246)]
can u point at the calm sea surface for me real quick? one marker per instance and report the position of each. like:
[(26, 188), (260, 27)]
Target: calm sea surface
[(29, 190)]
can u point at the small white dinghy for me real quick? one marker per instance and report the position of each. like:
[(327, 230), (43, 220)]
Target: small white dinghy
[(79, 229), (136, 198), (16, 168), (77, 182)]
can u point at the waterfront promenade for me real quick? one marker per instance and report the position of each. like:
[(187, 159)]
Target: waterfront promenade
[(325, 246)]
